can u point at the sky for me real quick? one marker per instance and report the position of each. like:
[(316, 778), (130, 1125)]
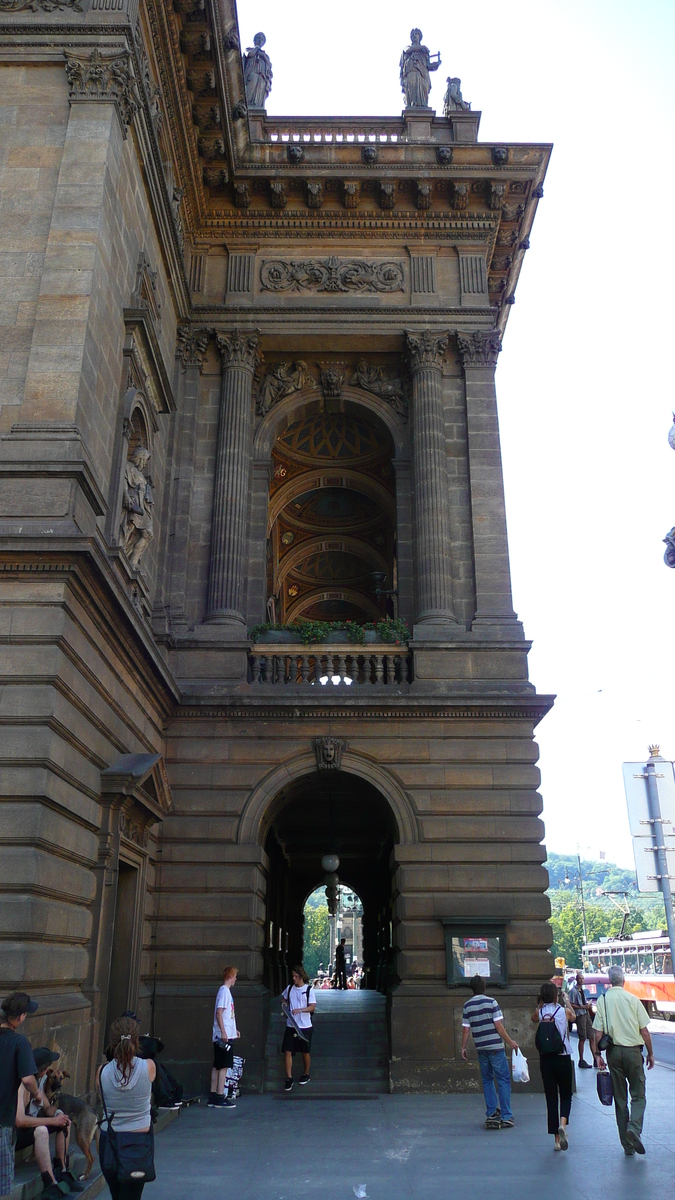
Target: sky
[(584, 382)]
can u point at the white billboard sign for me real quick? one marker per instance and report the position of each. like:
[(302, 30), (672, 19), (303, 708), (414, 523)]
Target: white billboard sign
[(642, 830)]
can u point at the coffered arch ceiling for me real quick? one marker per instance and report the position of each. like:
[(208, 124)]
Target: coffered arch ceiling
[(331, 517)]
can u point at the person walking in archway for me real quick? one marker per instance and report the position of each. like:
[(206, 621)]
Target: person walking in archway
[(341, 965), (298, 1004)]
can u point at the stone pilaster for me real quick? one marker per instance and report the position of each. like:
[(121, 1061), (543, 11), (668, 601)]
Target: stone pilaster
[(239, 353), (435, 616), (191, 346), (479, 351)]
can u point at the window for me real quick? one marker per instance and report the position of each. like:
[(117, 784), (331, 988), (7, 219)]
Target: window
[(475, 949)]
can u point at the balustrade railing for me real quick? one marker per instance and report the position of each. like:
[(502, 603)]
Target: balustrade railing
[(326, 667), (307, 130)]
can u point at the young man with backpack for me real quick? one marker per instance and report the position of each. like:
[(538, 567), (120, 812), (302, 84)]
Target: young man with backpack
[(552, 1040), (483, 1017), (298, 1004)]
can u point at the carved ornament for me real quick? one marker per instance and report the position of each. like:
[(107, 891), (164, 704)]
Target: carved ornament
[(387, 195), (215, 176), (371, 379), (497, 193), (331, 381), (14, 6), (239, 349), (328, 752), (350, 195), (242, 195), (281, 381), (98, 77), (480, 348), (133, 831), (191, 345), (423, 196), (426, 349), (278, 194), (369, 155), (314, 193), (331, 275), (500, 155), (460, 196), (295, 153)]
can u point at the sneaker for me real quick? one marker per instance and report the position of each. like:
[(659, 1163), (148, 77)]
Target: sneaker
[(288, 1086), (304, 1079), (634, 1141), (628, 1153), (213, 1100), (508, 1123), (223, 1102), (584, 1066), (66, 1176), (562, 1134), (55, 1192)]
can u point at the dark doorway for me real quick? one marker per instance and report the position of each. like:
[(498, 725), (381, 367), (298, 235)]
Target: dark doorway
[(121, 964), (329, 812)]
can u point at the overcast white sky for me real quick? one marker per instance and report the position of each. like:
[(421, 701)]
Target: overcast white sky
[(585, 378)]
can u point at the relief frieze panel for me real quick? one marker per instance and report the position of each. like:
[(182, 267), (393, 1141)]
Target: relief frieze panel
[(350, 275)]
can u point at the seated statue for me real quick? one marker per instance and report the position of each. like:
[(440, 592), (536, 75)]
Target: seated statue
[(453, 100), (280, 382), (372, 379)]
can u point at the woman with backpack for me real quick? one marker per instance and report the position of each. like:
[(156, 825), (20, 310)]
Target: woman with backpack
[(552, 1040), (298, 1004)]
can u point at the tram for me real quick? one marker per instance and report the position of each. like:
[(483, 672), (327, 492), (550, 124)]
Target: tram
[(647, 966)]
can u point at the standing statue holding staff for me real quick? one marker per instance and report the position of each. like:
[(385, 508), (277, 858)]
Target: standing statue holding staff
[(257, 73), (416, 63)]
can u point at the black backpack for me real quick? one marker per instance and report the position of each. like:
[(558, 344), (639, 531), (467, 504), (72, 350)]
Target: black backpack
[(547, 1038)]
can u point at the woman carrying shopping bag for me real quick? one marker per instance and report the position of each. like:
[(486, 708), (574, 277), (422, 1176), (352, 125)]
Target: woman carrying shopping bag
[(126, 1147), (552, 1040)]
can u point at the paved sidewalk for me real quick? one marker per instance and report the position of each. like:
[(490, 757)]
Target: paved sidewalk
[(411, 1148)]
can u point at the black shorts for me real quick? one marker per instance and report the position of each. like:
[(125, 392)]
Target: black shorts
[(24, 1139), (296, 1045), (222, 1058)]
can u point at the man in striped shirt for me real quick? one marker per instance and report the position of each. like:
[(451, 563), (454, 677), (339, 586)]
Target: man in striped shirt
[(483, 1017)]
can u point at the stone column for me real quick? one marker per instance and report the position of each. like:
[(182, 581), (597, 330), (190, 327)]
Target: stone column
[(435, 617), (239, 354), (479, 351), (191, 351)]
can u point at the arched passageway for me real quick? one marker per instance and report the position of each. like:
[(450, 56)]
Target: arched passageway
[(319, 813)]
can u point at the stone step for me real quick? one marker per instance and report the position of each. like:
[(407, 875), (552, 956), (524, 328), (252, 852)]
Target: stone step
[(320, 1089), (350, 1050)]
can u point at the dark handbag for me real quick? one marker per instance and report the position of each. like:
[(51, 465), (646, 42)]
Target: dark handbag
[(126, 1157), (605, 1090), (605, 1042)]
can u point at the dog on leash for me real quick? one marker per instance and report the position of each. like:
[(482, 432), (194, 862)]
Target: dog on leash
[(82, 1116)]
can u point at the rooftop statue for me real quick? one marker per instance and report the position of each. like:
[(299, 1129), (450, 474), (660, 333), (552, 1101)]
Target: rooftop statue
[(415, 67), (453, 100), (257, 73)]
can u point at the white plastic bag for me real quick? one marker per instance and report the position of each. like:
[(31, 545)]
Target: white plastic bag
[(521, 1073)]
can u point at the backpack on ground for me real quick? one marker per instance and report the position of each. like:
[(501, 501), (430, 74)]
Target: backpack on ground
[(547, 1038)]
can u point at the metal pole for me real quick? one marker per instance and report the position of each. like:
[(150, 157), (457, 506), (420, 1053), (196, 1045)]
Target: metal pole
[(660, 853), (581, 893)]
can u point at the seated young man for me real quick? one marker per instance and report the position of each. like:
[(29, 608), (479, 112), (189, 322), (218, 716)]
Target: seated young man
[(34, 1128)]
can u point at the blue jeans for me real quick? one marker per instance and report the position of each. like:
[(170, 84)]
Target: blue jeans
[(494, 1066)]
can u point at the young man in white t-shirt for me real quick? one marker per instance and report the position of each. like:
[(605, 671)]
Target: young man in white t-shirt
[(299, 1001), (224, 1032)]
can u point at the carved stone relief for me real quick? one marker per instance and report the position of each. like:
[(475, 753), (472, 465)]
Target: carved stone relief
[(328, 752), (98, 77), (13, 6), (331, 275), (191, 345), (136, 526), (282, 381), (371, 379), (480, 348)]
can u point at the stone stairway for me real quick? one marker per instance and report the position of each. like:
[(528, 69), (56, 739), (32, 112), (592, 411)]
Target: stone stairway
[(350, 1055)]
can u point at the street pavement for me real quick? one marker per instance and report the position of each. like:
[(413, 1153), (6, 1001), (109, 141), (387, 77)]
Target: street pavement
[(410, 1148)]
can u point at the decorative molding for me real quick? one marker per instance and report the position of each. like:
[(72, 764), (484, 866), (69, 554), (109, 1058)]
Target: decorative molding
[(240, 273), (480, 348), (328, 752), (15, 6), (239, 349), (197, 275), (144, 294), (331, 275), (425, 349), (191, 345), (423, 274), (472, 274), (98, 77)]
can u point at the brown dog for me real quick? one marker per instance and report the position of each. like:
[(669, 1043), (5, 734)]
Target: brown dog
[(83, 1117)]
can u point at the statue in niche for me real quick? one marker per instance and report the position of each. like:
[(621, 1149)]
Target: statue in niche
[(371, 379), (257, 73), (416, 64), (136, 527), (453, 101), (280, 382)]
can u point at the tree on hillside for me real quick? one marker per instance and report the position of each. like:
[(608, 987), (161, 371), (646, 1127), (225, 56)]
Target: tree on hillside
[(316, 947), (568, 934)]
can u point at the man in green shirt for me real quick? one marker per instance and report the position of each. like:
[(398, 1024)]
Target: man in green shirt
[(624, 1018)]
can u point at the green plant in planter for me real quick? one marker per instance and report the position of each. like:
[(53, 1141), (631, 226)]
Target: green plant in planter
[(391, 632)]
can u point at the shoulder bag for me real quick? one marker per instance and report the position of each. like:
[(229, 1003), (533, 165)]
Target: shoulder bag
[(126, 1157), (605, 1042)]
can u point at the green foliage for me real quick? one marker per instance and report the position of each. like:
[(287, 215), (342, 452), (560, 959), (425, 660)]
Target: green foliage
[(596, 876), (316, 948), (393, 633), (568, 934)]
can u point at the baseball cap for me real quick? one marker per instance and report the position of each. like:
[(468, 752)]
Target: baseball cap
[(17, 1004), (44, 1056)]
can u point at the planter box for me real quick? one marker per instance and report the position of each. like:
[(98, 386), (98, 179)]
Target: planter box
[(278, 637)]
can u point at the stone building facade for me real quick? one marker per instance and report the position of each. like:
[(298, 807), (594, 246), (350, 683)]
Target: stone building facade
[(248, 377)]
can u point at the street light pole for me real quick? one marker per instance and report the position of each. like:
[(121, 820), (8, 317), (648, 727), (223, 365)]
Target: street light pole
[(659, 847), (581, 894)]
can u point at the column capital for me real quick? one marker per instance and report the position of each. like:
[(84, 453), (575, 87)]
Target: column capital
[(239, 349), (425, 349), (191, 345), (96, 76), (480, 348)]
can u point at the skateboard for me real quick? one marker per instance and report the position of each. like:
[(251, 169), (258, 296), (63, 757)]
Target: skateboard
[(296, 1028)]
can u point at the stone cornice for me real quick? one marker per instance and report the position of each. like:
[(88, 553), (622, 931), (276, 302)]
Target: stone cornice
[(410, 708)]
